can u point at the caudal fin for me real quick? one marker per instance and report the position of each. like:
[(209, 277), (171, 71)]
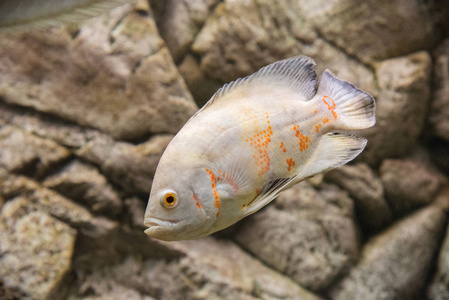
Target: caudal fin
[(352, 108)]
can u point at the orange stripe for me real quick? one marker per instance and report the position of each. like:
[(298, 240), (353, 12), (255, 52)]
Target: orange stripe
[(214, 190), (197, 203)]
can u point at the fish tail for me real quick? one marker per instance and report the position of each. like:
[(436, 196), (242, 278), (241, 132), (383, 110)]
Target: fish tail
[(351, 107)]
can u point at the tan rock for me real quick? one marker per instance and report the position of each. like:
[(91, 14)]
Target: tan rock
[(375, 30), (439, 289), (25, 153), (396, 263), (131, 167), (206, 269), (366, 188), (35, 255), (410, 183), (309, 235), (181, 22), (402, 104), (242, 36), (439, 112), (115, 75), (83, 183)]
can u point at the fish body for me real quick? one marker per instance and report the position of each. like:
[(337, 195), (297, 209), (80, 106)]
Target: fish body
[(256, 137)]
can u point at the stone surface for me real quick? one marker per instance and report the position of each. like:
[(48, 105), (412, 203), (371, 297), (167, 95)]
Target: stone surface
[(439, 112), (395, 264), (309, 235), (129, 166), (439, 289), (208, 269), (242, 36), (25, 153), (402, 104), (114, 74), (410, 183), (374, 30), (83, 183), (181, 22), (366, 188), (86, 111), (35, 254)]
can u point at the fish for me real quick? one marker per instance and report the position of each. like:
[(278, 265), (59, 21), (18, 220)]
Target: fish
[(256, 137), (21, 15)]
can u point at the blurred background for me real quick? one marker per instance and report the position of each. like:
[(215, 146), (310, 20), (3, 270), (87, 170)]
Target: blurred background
[(87, 109)]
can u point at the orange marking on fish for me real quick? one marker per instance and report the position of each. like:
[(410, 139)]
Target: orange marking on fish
[(326, 120), (244, 205), (315, 111), (197, 203), (290, 163), (283, 147), (262, 138), (303, 139), (214, 190), (332, 106), (317, 127)]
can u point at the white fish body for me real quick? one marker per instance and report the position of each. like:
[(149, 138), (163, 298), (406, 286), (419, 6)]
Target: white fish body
[(256, 137)]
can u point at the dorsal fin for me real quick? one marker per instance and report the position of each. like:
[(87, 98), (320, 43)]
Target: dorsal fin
[(295, 73)]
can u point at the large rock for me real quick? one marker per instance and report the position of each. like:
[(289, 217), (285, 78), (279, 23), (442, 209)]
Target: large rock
[(308, 235), (242, 36), (129, 166), (410, 183), (375, 30), (396, 263), (402, 104), (35, 254), (84, 184), (25, 153), (439, 289), (114, 74), (367, 191), (207, 269), (439, 112), (181, 21)]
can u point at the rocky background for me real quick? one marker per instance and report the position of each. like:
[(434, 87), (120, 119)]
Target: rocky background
[(87, 110)]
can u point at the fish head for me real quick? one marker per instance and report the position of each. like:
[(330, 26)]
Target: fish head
[(176, 207)]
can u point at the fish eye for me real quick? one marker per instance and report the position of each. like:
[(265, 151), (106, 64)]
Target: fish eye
[(169, 200)]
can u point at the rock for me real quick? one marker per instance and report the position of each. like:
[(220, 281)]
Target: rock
[(242, 36), (25, 196), (208, 269), (410, 183), (28, 154), (440, 155), (113, 74), (439, 289), (396, 263), (309, 235), (129, 166), (401, 106), (367, 191), (64, 133), (374, 30), (181, 22), (83, 183), (35, 255), (439, 112)]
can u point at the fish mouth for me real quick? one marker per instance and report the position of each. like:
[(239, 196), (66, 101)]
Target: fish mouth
[(155, 224)]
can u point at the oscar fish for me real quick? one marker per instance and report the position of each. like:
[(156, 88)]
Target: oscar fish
[(256, 137)]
